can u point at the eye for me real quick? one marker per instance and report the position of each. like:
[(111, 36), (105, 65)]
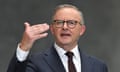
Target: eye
[(58, 21), (72, 22)]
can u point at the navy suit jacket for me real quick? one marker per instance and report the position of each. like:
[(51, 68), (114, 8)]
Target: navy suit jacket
[(49, 61)]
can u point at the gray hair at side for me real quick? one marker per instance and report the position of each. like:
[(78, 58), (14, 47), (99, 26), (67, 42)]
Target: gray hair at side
[(69, 6)]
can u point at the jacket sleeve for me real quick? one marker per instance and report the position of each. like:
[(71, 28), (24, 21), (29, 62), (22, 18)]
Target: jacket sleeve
[(16, 66)]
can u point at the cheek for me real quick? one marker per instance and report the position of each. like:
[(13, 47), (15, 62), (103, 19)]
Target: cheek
[(77, 32), (54, 31)]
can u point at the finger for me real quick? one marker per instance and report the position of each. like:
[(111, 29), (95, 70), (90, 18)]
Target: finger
[(40, 26), (38, 29), (27, 25), (40, 36)]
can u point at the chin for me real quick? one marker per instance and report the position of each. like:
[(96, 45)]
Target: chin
[(64, 43)]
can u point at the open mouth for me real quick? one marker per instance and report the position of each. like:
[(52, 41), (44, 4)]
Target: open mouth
[(65, 34)]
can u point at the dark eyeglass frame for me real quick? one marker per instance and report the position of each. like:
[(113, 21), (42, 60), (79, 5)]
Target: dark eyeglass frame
[(70, 23)]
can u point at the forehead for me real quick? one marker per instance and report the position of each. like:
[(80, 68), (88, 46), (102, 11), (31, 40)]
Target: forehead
[(67, 13)]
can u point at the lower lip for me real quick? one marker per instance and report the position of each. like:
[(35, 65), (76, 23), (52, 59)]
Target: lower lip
[(65, 36)]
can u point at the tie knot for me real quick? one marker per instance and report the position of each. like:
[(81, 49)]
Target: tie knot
[(69, 54)]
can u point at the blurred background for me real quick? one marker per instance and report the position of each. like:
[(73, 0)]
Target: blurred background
[(101, 39)]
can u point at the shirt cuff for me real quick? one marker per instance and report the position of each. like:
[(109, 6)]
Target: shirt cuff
[(21, 55)]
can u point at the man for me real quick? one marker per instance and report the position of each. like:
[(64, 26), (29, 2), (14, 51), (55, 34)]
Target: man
[(67, 27)]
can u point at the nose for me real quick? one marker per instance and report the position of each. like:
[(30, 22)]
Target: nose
[(65, 25)]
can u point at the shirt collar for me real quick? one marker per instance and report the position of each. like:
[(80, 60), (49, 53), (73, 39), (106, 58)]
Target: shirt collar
[(62, 52)]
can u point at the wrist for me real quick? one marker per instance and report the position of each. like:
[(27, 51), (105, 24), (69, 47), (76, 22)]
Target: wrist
[(23, 47)]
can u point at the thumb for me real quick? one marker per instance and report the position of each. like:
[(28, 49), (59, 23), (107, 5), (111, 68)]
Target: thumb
[(27, 25)]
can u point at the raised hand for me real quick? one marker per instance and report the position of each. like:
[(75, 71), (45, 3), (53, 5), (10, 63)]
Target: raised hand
[(33, 33)]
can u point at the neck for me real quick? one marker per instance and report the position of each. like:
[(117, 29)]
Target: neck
[(67, 47)]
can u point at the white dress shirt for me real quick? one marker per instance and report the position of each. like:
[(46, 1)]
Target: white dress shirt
[(76, 58), (22, 55)]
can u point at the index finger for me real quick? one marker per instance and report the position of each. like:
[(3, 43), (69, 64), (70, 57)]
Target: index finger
[(40, 28)]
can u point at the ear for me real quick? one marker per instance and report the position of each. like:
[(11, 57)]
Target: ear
[(83, 28), (51, 29)]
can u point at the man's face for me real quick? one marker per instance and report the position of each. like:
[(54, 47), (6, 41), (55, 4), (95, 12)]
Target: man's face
[(65, 35)]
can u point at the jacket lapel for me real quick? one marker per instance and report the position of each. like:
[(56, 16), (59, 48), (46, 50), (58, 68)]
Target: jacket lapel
[(85, 63), (54, 61)]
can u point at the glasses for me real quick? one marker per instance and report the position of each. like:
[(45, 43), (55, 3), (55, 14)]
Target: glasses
[(70, 23)]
